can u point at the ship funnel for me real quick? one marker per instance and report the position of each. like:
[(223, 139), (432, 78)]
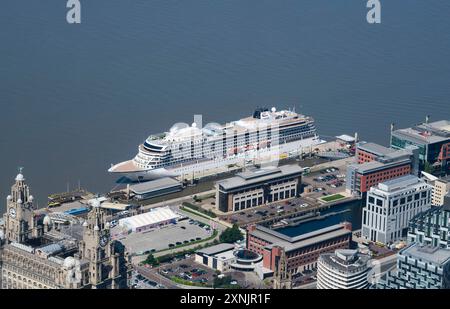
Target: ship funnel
[(427, 118), (392, 127)]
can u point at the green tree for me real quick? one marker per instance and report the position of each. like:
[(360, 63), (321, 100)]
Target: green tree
[(231, 235), (152, 260)]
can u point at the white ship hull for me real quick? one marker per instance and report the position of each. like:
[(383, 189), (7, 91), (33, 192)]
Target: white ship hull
[(213, 166)]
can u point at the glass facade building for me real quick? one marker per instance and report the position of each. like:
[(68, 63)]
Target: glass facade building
[(433, 141)]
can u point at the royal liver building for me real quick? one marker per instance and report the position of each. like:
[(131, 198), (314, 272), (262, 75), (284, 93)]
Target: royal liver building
[(37, 254)]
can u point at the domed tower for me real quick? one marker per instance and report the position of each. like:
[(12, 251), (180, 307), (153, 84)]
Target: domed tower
[(19, 218), (107, 264)]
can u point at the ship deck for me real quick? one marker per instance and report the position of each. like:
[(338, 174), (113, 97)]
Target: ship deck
[(125, 167)]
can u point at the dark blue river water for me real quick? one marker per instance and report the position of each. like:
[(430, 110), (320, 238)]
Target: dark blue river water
[(75, 98)]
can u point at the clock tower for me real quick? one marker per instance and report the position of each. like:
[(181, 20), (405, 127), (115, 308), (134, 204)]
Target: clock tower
[(20, 222), (107, 264)]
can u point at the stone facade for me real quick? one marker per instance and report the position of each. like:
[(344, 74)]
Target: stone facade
[(34, 254)]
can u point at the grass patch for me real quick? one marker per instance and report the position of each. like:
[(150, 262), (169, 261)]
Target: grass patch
[(331, 198), (187, 282), (208, 213)]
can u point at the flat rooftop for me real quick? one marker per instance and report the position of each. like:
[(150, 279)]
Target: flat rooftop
[(426, 133), (434, 255), (254, 176), (346, 261), (213, 250), (399, 183), (154, 185), (373, 166), (304, 240), (346, 138), (374, 148)]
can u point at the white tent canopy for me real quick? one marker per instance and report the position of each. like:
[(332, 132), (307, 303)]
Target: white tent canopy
[(151, 218)]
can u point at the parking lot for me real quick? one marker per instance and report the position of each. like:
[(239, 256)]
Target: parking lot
[(327, 181), (166, 237), (257, 214), (187, 269)]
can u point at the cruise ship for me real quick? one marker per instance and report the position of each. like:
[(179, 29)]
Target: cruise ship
[(188, 150)]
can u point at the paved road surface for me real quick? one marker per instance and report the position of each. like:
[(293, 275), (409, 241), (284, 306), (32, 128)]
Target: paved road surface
[(152, 274)]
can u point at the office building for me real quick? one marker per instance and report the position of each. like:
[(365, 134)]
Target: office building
[(258, 186), (391, 205), (433, 141), (343, 269), (302, 251), (219, 257), (377, 164), (441, 187), (419, 267)]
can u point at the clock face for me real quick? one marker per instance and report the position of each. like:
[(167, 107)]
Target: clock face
[(12, 212), (104, 240)]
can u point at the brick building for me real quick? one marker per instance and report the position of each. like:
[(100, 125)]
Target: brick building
[(377, 164)]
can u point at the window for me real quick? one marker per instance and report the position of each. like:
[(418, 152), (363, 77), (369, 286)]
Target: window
[(371, 199)]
